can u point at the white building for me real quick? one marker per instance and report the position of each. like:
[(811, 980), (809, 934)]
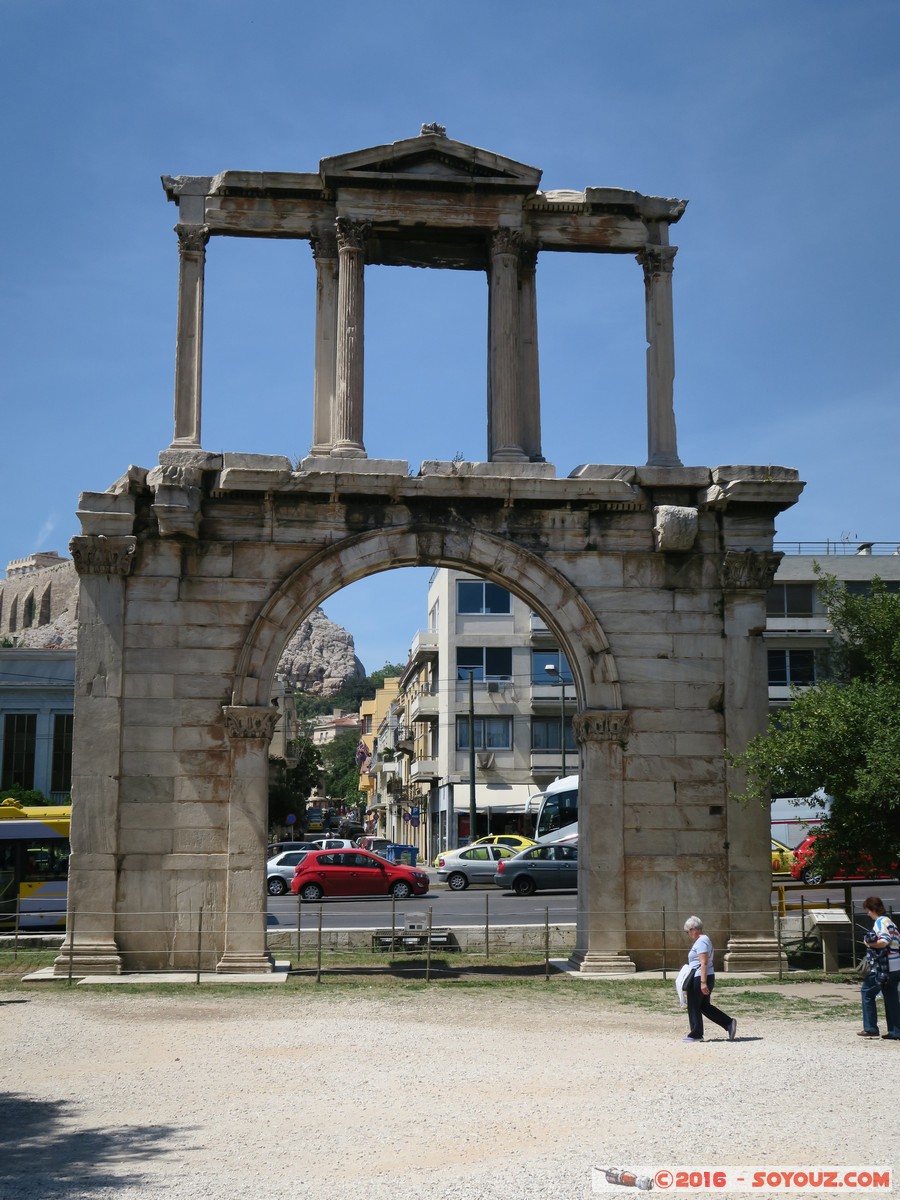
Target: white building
[(479, 634)]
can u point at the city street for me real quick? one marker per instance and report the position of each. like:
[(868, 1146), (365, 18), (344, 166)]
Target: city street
[(471, 907), (476, 904)]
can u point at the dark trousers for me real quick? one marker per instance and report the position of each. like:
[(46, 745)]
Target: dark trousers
[(700, 1006)]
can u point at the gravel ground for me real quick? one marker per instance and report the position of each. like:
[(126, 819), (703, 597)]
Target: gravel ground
[(468, 1094)]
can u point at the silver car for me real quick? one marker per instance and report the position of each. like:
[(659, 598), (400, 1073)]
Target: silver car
[(540, 868), (473, 864), (280, 870)]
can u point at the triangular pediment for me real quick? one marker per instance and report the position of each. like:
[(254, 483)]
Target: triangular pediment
[(429, 159)]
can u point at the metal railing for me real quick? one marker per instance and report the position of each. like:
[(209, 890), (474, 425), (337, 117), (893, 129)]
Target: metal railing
[(407, 939)]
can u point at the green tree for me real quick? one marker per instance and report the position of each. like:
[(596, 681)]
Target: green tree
[(843, 735), (291, 792), (341, 769)]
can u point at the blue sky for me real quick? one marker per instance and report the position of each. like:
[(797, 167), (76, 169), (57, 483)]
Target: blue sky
[(778, 122)]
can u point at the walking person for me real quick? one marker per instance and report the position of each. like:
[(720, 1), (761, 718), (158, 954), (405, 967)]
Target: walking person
[(883, 956), (699, 986)]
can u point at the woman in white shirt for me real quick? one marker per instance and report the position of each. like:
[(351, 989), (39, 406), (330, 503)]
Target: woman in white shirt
[(883, 952), (699, 987)]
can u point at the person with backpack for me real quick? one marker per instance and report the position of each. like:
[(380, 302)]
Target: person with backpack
[(883, 958)]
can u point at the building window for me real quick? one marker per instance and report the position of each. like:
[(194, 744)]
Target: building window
[(19, 740), (545, 734), (484, 662), (367, 724), (541, 659), (491, 733), (61, 778), (790, 600), (479, 596), (792, 668)]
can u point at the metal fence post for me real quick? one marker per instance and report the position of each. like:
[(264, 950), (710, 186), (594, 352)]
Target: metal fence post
[(299, 909), (319, 949), (71, 932), (199, 942), (487, 934), (16, 929), (547, 943), (664, 942), (428, 947), (778, 920)]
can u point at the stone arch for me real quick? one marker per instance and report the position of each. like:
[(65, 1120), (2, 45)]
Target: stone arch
[(525, 574), (13, 610), (28, 609)]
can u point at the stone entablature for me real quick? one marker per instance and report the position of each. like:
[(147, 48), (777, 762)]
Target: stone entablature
[(427, 201)]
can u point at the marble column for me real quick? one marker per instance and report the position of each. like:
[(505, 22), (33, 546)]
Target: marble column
[(601, 935), (347, 427), (505, 435), (192, 241), (529, 371), (658, 263), (746, 576), (90, 946), (325, 252), (249, 730)]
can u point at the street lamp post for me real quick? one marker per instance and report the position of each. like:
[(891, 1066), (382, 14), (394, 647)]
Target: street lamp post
[(552, 669), (473, 808)]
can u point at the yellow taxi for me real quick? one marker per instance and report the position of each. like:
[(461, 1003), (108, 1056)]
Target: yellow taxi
[(512, 840), (782, 858)]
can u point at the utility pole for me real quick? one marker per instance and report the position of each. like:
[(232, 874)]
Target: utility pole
[(561, 684)]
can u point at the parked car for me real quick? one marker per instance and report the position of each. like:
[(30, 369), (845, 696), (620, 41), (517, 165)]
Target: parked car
[(472, 864), (280, 870), (351, 829), (863, 869), (540, 868), (375, 844), (279, 847), (513, 840), (782, 858), (333, 843), (355, 873)]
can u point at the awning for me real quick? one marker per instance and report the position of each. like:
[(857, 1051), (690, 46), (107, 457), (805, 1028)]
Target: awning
[(498, 797)]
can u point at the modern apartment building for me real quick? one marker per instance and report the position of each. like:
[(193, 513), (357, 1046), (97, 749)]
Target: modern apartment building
[(484, 686), (798, 632)]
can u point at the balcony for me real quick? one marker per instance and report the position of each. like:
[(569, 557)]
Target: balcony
[(424, 646), (423, 770), (423, 703)]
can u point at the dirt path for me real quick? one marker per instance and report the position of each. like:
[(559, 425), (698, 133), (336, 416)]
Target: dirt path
[(470, 1094)]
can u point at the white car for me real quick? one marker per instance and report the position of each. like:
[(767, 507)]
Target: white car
[(331, 843), (473, 864), (280, 870)]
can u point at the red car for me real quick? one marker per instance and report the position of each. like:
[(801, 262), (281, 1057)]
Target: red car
[(802, 868), (355, 873)]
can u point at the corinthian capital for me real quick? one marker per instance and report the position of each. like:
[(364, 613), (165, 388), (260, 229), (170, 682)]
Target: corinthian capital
[(602, 725), (96, 554), (324, 244), (657, 260), (507, 241), (748, 569), (351, 235), (192, 239), (250, 721)]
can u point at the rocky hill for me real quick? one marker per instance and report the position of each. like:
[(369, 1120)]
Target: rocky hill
[(40, 610)]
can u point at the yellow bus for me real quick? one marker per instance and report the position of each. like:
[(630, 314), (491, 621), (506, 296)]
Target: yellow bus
[(34, 865)]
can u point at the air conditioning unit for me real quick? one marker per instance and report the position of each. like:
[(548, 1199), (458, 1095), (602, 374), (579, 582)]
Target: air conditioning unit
[(493, 686), (485, 761)]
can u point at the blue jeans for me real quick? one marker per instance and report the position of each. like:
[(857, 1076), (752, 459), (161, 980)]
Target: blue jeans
[(889, 990)]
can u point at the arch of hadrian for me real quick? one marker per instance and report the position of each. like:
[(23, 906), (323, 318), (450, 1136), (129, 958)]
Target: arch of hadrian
[(193, 575)]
